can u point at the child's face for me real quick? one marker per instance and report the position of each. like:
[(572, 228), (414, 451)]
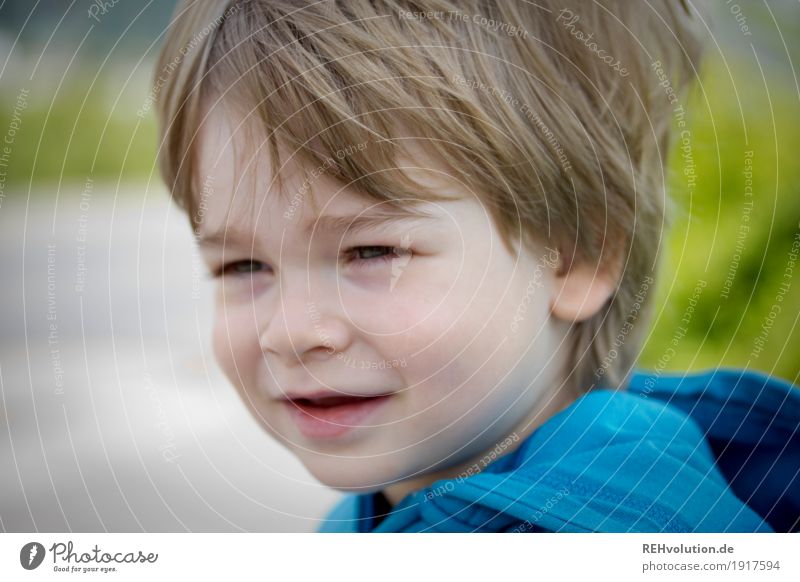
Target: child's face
[(458, 333)]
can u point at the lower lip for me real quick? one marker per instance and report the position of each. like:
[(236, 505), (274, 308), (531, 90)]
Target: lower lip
[(333, 421)]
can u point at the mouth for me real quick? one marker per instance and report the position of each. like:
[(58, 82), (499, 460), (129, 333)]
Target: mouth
[(333, 415)]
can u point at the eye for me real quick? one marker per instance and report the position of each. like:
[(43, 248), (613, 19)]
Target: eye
[(376, 254), (239, 269)]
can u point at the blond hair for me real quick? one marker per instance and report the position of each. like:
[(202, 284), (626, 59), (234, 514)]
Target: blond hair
[(558, 116)]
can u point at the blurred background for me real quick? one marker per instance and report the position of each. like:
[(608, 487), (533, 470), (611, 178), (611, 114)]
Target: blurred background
[(113, 415)]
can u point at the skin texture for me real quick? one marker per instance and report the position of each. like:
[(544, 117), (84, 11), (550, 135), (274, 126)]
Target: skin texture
[(481, 332)]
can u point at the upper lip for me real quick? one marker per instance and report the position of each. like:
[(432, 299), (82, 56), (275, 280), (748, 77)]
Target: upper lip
[(325, 393)]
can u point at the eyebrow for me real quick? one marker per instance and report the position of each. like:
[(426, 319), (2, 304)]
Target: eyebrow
[(351, 224)]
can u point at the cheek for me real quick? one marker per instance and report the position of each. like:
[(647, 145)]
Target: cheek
[(234, 344), (389, 315), (481, 347), (428, 300), (222, 348)]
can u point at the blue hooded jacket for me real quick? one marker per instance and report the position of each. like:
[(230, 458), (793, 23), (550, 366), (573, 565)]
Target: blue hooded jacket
[(717, 451)]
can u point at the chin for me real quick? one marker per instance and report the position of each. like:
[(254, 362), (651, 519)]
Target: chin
[(349, 477)]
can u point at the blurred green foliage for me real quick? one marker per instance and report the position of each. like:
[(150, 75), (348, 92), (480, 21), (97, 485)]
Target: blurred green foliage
[(77, 134), (744, 262)]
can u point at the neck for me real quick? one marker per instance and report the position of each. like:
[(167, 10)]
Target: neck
[(541, 413)]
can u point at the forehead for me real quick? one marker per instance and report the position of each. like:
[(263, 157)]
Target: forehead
[(234, 181), (236, 185)]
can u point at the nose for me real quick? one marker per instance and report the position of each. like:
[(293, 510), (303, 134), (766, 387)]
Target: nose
[(305, 325)]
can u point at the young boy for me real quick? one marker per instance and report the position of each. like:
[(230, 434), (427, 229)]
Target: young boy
[(435, 229)]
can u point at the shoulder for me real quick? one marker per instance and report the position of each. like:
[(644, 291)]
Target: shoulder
[(725, 399)]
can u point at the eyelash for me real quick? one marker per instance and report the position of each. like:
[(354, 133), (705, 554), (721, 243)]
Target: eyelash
[(359, 263)]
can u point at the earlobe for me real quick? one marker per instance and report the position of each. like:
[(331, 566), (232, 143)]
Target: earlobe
[(582, 289)]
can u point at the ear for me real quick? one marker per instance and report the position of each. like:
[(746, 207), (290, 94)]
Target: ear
[(582, 288)]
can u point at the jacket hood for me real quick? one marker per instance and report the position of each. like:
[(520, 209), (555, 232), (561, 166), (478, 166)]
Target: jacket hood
[(711, 452)]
